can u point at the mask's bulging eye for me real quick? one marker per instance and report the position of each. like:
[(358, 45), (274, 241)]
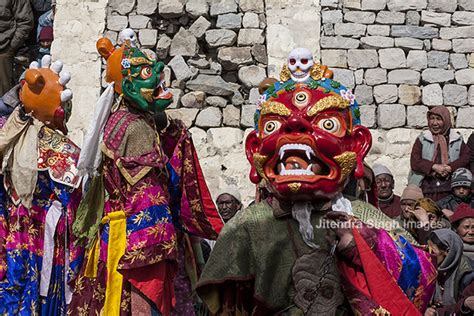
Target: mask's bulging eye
[(292, 61), (270, 127), (301, 99), (331, 125), (145, 73)]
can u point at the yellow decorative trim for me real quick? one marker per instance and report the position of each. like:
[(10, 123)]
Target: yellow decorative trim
[(381, 312), (316, 72), (294, 187), (272, 107), (132, 180), (147, 94), (330, 102), (346, 162), (136, 61), (259, 161), (117, 233), (128, 177), (285, 73)]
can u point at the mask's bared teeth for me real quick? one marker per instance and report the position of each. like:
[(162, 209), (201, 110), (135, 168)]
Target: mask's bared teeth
[(282, 153), (309, 167), (308, 154)]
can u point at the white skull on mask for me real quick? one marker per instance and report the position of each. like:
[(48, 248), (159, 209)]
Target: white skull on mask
[(300, 62), (127, 35)]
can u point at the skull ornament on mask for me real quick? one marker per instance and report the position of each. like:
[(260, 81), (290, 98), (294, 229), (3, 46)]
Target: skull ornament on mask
[(300, 62), (307, 140), (128, 35)]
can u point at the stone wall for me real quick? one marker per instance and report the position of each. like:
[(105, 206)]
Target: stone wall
[(77, 26), (216, 56), (402, 56)]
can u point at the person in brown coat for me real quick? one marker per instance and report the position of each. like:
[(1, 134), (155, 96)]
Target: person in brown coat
[(16, 22), (437, 152)]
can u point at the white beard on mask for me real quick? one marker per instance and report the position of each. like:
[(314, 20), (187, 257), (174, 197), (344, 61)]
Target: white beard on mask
[(301, 212)]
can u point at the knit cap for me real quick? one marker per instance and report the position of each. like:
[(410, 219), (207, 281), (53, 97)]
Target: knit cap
[(411, 192), (461, 177)]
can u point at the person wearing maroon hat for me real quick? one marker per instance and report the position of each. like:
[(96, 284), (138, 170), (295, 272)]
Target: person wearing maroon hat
[(45, 40), (462, 222)]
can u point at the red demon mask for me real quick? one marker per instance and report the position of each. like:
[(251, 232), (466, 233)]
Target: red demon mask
[(306, 144)]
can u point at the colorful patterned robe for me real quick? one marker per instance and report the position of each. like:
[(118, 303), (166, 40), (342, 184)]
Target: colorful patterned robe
[(157, 185), (22, 233), (261, 266)]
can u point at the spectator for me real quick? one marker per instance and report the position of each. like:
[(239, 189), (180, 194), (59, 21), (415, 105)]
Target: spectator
[(45, 41), (16, 22), (437, 152), (470, 144), (362, 189), (461, 182), (410, 195), (422, 217), (454, 270), (436, 218), (389, 203), (463, 223), (407, 219), (228, 203)]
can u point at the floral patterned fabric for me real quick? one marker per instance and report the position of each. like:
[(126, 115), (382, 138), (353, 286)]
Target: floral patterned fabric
[(158, 183), (22, 242)]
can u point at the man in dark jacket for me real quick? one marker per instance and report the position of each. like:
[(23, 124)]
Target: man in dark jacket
[(16, 22), (461, 182), (389, 203)]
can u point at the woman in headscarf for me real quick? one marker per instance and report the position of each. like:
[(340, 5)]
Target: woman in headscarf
[(463, 224), (454, 271), (437, 152)]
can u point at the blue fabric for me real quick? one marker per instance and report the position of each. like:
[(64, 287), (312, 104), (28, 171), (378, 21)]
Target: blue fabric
[(20, 288), (4, 109), (143, 219), (411, 268), (174, 189)]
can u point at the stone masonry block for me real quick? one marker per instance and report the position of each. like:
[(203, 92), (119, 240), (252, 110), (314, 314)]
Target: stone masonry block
[(387, 93), (417, 59), (416, 116), (364, 94), (378, 30), (464, 118), (375, 76), (432, 75), (390, 17), (432, 95), (362, 58), (409, 95), (455, 95), (391, 115), (392, 58), (334, 58), (368, 116), (404, 76)]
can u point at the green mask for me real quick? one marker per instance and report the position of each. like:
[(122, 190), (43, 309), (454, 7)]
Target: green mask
[(143, 84)]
